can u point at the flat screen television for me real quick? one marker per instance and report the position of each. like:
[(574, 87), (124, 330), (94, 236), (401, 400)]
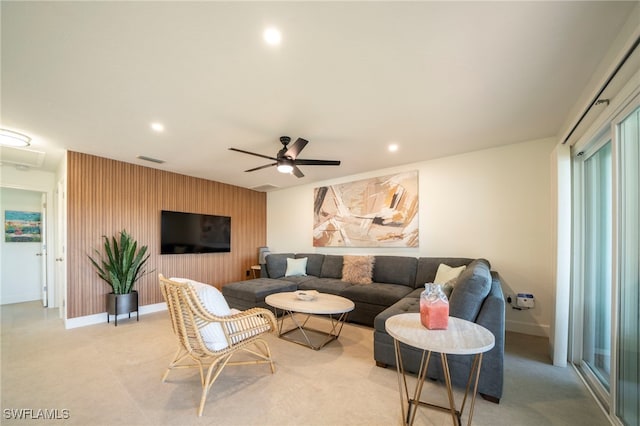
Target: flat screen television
[(194, 233)]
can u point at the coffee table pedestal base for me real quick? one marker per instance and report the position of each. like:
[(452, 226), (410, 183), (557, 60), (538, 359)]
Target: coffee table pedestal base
[(300, 328)]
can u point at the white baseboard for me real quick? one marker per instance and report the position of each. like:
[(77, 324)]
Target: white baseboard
[(527, 328), (101, 318), (20, 298)]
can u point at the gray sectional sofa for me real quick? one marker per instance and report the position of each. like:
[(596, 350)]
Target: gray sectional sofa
[(397, 282)]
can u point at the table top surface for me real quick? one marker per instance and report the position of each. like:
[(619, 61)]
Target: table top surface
[(460, 338), (323, 303)]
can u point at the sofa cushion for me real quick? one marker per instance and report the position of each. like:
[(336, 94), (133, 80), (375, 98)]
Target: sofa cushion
[(325, 285), (395, 269), (296, 267), (428, 267), (314, 262), (254, 291), (331, 267), (357, 269), (298, 279), (416, 293), (470, 290), (376, 293), (447, 288), (211, 298), (277, 264), (403, 306)]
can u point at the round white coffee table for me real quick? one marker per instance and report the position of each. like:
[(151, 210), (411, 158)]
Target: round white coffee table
[(335, 307), (460, 338)]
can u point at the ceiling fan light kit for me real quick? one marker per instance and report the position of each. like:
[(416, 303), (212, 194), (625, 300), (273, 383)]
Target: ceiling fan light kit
[(286, 160), (285, 165)]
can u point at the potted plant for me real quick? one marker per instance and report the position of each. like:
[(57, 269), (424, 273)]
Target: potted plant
[(120, 267)]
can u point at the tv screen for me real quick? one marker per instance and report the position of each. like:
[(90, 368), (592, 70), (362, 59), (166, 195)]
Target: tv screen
[(194, 233)]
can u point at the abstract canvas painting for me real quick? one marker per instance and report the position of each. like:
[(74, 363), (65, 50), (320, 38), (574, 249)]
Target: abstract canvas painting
[(22, 227), (377, 212)]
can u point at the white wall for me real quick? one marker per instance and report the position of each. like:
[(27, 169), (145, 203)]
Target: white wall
[(494, 203), (39, 182)]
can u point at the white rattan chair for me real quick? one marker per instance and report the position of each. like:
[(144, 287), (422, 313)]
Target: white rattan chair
[(243, 332)]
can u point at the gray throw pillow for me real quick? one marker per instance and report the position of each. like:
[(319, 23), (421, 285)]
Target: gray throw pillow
[(472, 287), (314, 262), (447, 288), (277, 264), (332, 267)]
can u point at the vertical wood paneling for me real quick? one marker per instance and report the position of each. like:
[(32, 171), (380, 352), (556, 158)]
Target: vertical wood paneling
[(106, 196)]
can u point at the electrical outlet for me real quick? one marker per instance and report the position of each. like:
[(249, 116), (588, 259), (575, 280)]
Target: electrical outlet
[(525, 300)]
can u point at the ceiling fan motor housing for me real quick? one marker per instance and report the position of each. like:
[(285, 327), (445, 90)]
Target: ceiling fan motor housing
[(281, 154)]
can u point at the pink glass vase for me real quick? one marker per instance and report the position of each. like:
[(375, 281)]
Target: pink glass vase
[(434, 308)]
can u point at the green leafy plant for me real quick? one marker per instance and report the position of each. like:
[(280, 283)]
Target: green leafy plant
[(122, 264)]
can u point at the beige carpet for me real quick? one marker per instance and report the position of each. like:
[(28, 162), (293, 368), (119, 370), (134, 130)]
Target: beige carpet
[(106, 375)]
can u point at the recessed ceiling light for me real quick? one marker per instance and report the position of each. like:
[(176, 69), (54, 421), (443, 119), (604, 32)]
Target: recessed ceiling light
[(10, 138), (157, 127), (393, 147), (272, 36)]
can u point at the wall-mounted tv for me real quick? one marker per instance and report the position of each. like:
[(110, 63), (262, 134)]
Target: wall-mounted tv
[(194, 233)]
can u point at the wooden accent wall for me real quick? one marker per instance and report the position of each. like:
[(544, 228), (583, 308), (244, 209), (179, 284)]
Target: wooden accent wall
[(106, 196)]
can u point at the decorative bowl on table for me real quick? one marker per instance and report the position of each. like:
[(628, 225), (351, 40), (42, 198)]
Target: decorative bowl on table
[(306, 294)]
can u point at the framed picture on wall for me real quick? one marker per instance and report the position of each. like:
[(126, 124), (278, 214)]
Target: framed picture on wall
[(22, 227), (376, 212)]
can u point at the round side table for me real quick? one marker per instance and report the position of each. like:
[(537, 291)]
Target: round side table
[(460, 338)]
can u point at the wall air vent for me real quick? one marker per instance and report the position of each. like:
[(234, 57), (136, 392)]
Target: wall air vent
[(265, 188), (21, 157), (153, 160)]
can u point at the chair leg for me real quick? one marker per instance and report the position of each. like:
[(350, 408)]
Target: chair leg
[(218, 365), (176, 358), (262, 352), (180, 355), (267, 354)]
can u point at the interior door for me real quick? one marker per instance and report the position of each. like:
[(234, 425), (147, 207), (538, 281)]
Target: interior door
[(43, 249)]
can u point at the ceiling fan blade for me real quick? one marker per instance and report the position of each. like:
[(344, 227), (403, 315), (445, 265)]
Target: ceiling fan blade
[(252, 153), (303, 162), (296, 171), (261, 167), (296, 148)]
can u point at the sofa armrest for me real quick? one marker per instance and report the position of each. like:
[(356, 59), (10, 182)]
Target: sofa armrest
[(492, 317), (492, 311)]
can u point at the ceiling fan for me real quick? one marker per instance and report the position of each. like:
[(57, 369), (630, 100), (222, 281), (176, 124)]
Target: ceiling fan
[(287, 160)]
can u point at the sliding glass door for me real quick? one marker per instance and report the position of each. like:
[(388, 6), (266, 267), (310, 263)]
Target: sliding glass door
[(606, 278), (628, 363), (596, 333)]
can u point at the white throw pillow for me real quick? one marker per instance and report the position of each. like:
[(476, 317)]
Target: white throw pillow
[(214, 302), (296, 267), (446, 273)]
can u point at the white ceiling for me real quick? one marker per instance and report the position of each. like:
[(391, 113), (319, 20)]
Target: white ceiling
[(436, 78)]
